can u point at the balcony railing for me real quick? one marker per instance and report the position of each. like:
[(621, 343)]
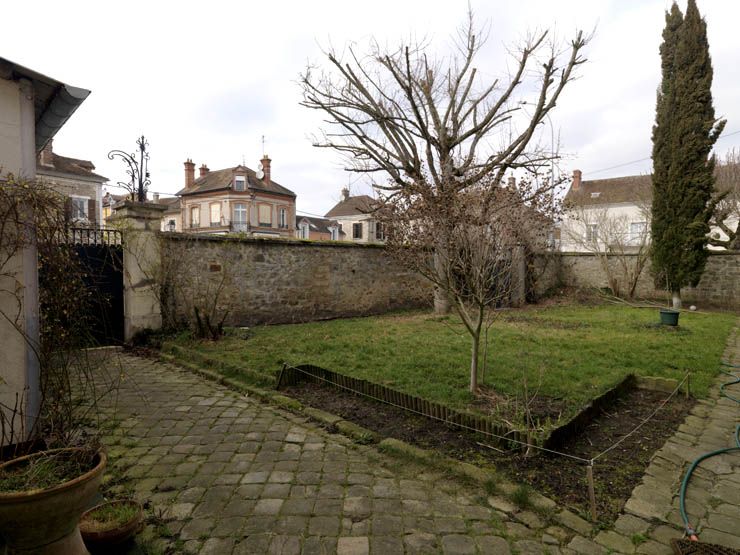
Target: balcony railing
[(239, 227)]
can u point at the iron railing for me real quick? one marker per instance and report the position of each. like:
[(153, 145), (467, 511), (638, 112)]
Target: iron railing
[(93, 236)]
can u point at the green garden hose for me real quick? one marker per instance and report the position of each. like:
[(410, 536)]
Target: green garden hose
[(690, 532)]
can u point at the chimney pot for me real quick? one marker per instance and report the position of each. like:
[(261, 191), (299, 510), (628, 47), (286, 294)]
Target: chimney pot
[(156, 197), (511, 182), (189, 173), (203, 170), (576, 180), (266, 168), (345, 193)]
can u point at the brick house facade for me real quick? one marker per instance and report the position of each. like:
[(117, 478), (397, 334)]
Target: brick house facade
[(236, 200)]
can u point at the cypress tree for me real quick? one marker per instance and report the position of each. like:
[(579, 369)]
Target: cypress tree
[(683, 136)]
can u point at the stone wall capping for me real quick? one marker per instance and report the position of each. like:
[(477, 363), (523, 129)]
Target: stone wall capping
[(270, 241)]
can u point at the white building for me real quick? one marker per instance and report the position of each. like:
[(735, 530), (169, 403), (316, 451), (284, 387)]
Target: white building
[(356, 221), (603, 214)]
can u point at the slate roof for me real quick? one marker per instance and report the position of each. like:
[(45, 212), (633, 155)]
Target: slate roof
[(317, 225), (353, 206), (173, 204), (219, 180), (631, 188), (70, 166)]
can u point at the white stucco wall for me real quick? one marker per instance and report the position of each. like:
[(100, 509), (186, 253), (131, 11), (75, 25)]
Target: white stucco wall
[(368, 228), (573, 228), (18, 300), (10, 128)]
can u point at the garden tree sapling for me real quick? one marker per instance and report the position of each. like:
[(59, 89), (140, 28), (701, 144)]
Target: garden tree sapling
[(471, 245), (683, 168), (437, 128)]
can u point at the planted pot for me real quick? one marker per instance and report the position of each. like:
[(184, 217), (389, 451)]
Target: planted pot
[(112, 523), (669, 317), (44, 521)]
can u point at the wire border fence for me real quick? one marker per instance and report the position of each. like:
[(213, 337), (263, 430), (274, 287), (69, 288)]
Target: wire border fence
[(478, 424)]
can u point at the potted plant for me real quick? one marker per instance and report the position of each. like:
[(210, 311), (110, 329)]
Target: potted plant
[(110, 524), (42, 496), (669, 316), (57, 464)]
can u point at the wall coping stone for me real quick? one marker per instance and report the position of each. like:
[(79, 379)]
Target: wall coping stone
[(268, 241)]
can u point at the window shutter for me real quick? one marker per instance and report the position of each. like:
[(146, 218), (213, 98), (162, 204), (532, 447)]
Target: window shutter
[(91, 211)]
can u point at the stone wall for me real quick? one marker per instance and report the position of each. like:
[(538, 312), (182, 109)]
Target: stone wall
[(280, 281), (719, 286)]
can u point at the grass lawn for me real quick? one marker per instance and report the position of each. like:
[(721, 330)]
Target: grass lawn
[(575, 352)]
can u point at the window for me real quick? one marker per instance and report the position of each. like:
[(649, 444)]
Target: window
[(304, 230), (592, 233), (240, 183), (283, 218), (79, 208), (637, 231), (334, 233), (379, 231), (195, 216), (357, 231), (215, 214), (595, 195), (240, 213), (265, 215)]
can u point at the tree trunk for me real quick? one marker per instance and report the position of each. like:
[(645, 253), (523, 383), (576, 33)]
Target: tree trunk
[(475, 344), (441, 298), (441, 302), (676, 295)]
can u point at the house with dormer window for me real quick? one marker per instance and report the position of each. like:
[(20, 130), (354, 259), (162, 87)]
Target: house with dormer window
[(236, 200), (356, 220)]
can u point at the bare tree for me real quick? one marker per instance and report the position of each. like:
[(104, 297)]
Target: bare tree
[(431, 129), (725, 205), (622, 251)]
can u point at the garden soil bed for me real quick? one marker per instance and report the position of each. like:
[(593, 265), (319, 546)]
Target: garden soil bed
[(561, 478)]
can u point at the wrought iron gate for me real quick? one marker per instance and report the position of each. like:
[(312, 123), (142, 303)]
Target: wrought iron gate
[(100, 252)]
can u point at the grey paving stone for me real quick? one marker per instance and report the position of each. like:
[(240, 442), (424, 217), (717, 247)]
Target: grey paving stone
[(458, 544), (234, 473), (353, 546)]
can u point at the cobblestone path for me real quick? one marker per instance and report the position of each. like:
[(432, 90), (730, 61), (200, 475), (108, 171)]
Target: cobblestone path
[(230, 475), (651, 516)]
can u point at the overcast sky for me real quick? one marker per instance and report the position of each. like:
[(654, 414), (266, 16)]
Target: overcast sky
[(206, 80)]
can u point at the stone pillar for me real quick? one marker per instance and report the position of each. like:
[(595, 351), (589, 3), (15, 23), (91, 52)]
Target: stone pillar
[(140, 223), (518, 276)]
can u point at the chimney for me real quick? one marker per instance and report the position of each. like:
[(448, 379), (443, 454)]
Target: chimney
[(345, 194), (46, 156), (576, 180), (266, 168), (156, 197), (203, 170), (189, 173), (511, 182)]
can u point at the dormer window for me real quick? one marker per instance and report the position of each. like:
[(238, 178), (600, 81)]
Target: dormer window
[(240, 183), (595, 195)]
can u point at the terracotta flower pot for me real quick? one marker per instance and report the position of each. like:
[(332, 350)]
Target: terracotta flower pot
[(114, 534), (45, 521)]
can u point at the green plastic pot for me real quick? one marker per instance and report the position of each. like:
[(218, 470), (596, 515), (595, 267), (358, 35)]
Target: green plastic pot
[(669, 317)]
